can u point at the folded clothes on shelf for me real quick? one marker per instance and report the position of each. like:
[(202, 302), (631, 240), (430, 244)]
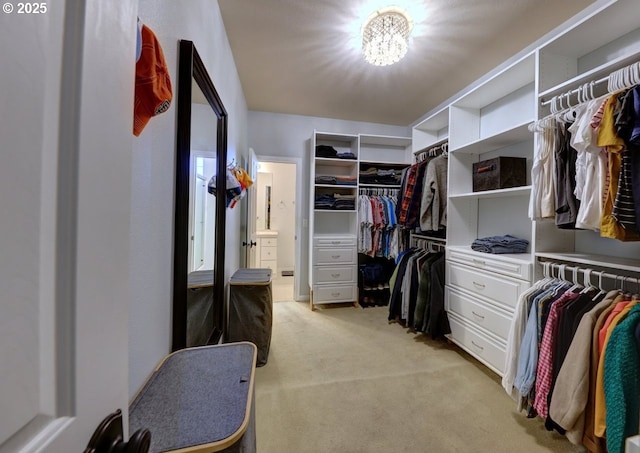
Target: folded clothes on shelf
[(326, 151), (346, 180), (324, 201), (325, 179), (374, 175), (344, 202), (346, 155), (500, 244)]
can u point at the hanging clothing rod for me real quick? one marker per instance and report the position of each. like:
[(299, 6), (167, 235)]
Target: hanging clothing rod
[(379, 191), (574, 91), (587, 272), (442, 147), (591, 84), (428, 245)]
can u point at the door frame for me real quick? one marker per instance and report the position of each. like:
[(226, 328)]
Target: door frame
[(297, 161)]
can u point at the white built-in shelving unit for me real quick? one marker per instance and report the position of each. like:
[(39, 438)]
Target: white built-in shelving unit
[(491, 119), (333, 246)]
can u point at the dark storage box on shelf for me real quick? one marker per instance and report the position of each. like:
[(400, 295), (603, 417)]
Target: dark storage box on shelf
[(499, 173)]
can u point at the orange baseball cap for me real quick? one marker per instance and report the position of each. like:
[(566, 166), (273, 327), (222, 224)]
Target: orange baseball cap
[(153, 93)]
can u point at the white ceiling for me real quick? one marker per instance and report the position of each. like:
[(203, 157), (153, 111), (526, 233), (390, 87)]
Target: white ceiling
[(303, 56)]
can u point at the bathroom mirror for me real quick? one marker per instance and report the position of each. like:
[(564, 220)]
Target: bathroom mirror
[(264, 183), (199, 232)]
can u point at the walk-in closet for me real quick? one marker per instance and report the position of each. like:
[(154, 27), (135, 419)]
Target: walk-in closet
[(297, 226)]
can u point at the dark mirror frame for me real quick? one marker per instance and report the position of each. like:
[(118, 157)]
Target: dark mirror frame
[(190, 67)]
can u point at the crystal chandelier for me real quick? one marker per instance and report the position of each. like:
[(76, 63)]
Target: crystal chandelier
[(385, 36)]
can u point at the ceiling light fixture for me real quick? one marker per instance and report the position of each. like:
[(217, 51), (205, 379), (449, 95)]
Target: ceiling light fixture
[(385, 36)]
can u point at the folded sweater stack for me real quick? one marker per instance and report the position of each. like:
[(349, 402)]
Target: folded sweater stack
[(500, 244)]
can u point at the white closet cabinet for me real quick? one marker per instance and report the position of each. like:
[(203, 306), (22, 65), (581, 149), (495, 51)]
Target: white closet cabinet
[(428, 134), (490, 119), (431, 131), (333, 253), (591, 48), (384, 149), (382, 153), (333, 232), (267, 250), (482, 289)]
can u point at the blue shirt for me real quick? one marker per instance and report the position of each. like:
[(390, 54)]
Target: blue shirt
[(528, 356)]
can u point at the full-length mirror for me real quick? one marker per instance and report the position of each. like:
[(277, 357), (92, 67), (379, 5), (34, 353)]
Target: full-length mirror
[(199, 233)]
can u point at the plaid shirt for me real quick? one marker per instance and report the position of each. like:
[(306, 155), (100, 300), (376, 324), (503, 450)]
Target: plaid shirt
[(412, 195)]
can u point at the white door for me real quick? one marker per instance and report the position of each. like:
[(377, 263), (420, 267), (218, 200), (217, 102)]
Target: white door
[(66, 93), (250, 240)]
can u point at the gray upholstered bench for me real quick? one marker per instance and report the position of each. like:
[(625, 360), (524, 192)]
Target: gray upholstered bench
[(200, 400)]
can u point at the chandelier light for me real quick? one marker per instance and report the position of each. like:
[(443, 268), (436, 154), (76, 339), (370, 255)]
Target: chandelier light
[(385, 36)]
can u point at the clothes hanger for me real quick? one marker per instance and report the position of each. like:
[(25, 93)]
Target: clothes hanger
[(546, 278), (636, 73), (635, 296), (588, 286), (600, 281), (611, 82), (569, 115), (576, 285)]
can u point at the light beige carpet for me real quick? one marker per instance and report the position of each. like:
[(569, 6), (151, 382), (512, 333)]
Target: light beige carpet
[(342, 380)]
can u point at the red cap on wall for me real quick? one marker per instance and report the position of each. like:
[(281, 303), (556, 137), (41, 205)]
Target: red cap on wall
[(153, 93)]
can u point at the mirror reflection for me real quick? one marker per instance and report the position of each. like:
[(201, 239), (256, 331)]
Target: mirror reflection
[(202, 169), (202, 216), (263, 209)]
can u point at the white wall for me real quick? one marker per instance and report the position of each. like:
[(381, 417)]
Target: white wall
[(153, 176), (274, 134)]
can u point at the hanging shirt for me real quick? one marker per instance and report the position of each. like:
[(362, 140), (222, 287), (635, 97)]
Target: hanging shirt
[(565, 158), (590, 167), (528, 354), (545, 359), (542, 199), (412, 197), (608, 138), (516, 332), (621, 378), (433, 207), (571, 391), (600, 408)]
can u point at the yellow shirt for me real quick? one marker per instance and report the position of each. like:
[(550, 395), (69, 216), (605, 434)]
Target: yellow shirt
[(614, 145)]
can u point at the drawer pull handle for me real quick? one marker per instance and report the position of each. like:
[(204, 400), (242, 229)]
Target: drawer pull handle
[(335, 294), (480, 262), (477, 345), (479, 285), (335, 275), (335, 242), (476, 314), (335, 257)]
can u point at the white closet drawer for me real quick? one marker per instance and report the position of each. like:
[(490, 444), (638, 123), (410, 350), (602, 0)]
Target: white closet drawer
[(478, 345), (326, 256), (478, 312), (269, 242), (268, 253), (334, 241), (269, 264), (334, 274), (491, 263), (504, 290), (334, 293)]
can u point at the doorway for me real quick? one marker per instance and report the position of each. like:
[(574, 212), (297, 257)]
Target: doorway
[(273, 219)]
